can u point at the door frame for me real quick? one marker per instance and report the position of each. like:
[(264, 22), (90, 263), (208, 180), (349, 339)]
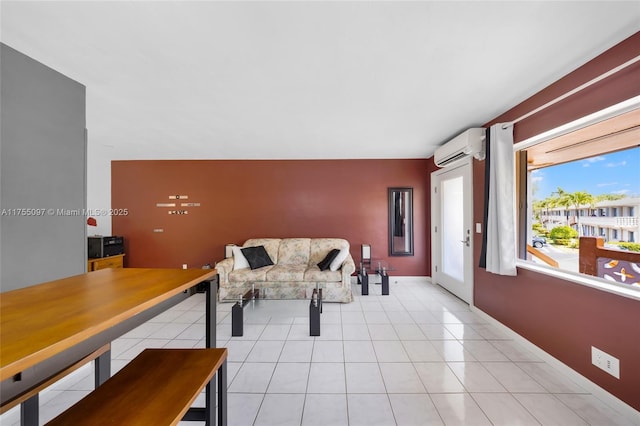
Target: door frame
[(436, 226)]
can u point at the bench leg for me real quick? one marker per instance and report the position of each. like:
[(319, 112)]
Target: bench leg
[(209, 416), (210, 404), (29, 411), (365, 284), (222, 394)]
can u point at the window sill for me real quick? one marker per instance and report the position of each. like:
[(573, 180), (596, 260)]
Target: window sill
[(597, 283)]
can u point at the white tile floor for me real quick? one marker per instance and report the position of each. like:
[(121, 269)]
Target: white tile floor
[(416, 357)]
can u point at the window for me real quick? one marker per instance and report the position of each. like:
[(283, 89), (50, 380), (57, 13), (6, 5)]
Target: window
[(582, 182)]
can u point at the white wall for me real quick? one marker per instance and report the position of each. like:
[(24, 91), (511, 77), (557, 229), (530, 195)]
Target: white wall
[(43, 162), (99, 185)]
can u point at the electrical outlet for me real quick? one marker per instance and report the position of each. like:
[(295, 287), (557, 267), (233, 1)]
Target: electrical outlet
[(184, 266), (605, 362)]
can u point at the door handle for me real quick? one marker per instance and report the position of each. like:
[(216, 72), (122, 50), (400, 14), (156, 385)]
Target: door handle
[(466, 242)]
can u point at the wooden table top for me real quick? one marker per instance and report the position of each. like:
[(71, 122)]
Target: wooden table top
[(44, 320)]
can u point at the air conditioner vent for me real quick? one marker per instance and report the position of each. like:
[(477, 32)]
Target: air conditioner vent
[(469, 143)]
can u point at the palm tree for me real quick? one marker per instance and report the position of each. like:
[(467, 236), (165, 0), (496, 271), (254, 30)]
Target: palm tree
[(562, 199), (580, 198), (552, 203), (543, 205)]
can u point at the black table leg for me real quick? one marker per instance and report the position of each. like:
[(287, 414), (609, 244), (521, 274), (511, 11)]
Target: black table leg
[(315, 307), (102, 366), (385, 283), (237, 320), (210, 316), (365, 284), (29, 411)]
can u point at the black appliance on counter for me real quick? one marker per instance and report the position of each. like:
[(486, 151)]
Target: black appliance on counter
[(105, 246)]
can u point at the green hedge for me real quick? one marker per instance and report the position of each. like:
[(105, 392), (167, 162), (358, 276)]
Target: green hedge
[(563, 234), (630, 246)]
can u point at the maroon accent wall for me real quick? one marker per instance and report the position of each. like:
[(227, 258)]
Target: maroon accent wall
[(564, 318), (264, 198)]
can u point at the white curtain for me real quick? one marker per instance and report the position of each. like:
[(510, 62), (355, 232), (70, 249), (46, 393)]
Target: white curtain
[(501, 235)]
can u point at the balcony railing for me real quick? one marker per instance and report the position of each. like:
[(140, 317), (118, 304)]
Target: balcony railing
[(610, 222), (627, 222), (613, 265)]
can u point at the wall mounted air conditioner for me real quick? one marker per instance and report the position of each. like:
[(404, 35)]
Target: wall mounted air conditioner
[(469, 143)]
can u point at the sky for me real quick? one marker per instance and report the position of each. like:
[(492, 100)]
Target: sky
[(613, 173)]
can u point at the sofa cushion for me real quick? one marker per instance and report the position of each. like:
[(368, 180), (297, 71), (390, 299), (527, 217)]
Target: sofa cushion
[(337, 261), (314, 274), (326, 262), (270, 244), (286, 273), (319, 248), (294, 251), (239, 261), (249, 275), (257, 257)]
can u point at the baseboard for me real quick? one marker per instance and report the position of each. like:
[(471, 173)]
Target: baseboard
[(401, 279), (603, 395), (393, 279)]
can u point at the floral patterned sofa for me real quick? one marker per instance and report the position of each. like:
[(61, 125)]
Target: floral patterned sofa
[(295, 271)]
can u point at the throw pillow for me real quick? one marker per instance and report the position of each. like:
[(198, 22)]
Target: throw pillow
[(326, 262), (341, 257), (239, 261), (257, 256)]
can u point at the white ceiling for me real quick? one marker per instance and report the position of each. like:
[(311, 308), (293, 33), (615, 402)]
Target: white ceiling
[(281, 80)]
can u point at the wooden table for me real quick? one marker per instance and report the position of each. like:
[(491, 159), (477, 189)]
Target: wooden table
[(48, 327)]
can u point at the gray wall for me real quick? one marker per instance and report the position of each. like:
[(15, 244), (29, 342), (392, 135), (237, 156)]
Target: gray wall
[(42, 166)]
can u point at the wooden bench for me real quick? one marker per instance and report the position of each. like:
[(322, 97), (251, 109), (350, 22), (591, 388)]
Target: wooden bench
[(156, 388)]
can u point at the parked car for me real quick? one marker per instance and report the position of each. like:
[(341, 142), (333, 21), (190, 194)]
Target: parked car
[(538, 241)]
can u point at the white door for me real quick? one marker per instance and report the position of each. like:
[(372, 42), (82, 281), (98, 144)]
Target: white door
[(451, 229)]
